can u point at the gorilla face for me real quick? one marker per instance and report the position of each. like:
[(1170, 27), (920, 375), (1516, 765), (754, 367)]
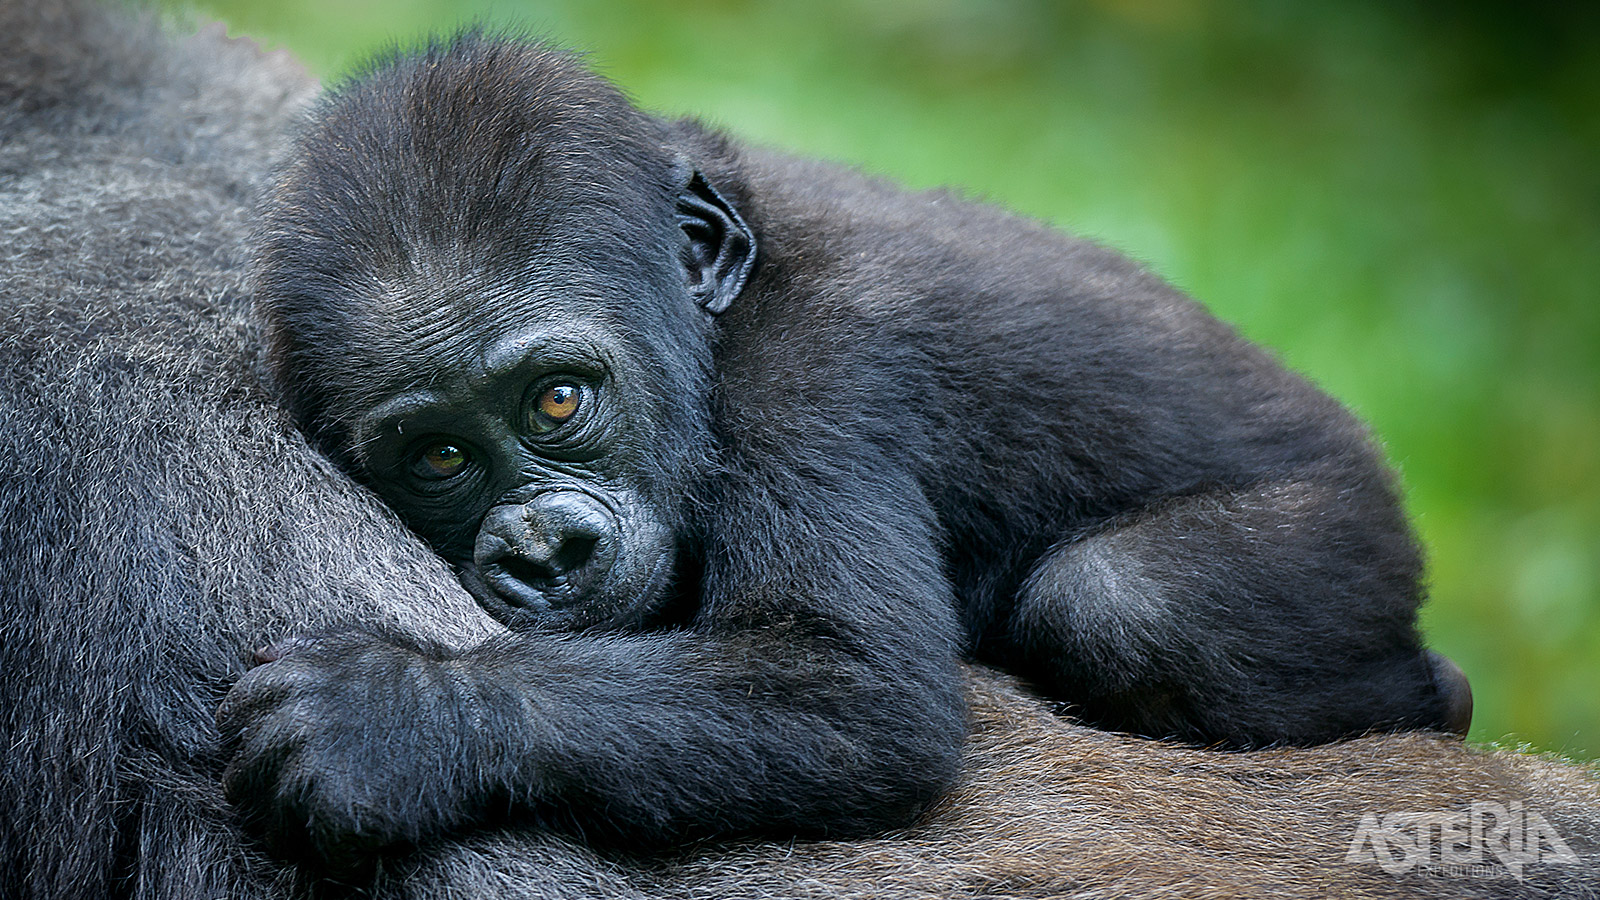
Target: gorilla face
[(535, 414), (511, 347), (513, 459)]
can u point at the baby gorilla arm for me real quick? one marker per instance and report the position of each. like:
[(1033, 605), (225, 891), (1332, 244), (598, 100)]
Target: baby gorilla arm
[(351, 743), (764, 715)]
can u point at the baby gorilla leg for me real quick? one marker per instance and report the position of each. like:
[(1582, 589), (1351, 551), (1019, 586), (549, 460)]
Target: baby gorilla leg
[(1277, 613)]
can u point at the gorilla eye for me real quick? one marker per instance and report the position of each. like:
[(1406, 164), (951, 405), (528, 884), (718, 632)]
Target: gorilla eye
[(442, 460), (554, 406)]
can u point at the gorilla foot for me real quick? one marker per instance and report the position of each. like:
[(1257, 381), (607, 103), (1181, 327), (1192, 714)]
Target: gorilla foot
[(1456, 691)]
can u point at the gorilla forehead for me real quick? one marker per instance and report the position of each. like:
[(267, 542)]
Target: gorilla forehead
[(473, 185), (482, 382), (471, 336)]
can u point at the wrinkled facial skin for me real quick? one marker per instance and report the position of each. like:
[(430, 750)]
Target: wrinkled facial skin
[(515, 462)]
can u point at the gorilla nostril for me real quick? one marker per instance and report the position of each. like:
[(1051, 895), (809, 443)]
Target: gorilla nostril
[(540, 568), (573, 553), (553, 549)]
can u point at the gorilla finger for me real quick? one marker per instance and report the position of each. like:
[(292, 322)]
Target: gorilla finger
[(262, 693), (277, 650), (264, 755)]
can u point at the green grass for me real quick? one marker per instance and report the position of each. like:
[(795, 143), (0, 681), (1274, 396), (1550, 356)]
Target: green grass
[(1402, 199)]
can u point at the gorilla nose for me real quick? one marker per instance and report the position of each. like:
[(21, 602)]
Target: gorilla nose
[(550, 551)]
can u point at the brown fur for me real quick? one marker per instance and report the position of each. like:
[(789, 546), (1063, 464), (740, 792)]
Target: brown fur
[(1048, 808)]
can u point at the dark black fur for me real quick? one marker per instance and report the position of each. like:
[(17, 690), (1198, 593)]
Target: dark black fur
[(924, 426)]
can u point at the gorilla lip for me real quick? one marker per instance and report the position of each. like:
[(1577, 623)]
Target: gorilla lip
[(516, 578), (519, 591)]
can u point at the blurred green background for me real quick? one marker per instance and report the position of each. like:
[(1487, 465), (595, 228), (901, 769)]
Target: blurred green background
[(1401, 198)]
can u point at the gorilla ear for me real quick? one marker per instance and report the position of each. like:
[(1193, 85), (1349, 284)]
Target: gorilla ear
[(721, 250)]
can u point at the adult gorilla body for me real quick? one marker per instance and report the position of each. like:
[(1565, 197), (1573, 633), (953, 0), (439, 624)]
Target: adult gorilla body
[(158, 518), (917, 423)]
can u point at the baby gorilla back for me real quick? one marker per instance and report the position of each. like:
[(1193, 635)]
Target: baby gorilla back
[(1145, 514)]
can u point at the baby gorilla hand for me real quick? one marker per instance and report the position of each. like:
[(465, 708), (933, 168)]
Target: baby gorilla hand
[(340, 746)]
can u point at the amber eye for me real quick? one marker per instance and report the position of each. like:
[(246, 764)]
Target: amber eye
[(554, 406), (443, 460)]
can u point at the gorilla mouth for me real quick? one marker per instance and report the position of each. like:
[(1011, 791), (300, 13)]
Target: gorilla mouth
[(533, 586), (531, 573), (517, 590)]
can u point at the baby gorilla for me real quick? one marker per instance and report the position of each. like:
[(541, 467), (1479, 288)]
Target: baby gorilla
[(749, 451)]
